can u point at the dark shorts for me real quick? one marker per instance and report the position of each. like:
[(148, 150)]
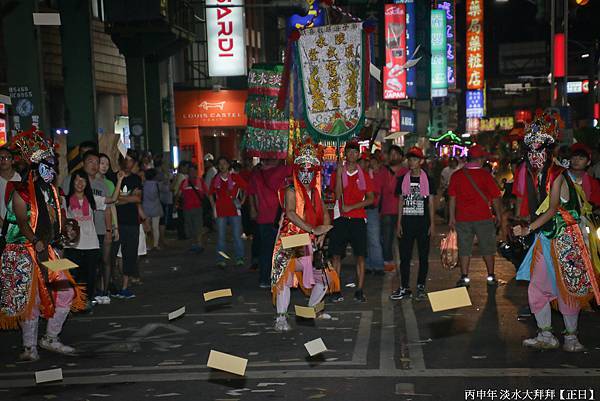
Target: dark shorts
[(485, 231), (344, 231)]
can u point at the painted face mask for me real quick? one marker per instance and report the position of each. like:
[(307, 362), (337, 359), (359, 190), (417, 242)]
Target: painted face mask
[(46, 172), (537, 158), (306, 175)]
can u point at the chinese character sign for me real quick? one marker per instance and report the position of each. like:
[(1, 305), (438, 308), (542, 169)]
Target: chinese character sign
[(395, 122), (475, 77), (394, 74), (439, 80), (449, 10), (474, 103)]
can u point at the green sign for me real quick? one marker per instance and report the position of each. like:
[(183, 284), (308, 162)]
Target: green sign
[(439, 75)]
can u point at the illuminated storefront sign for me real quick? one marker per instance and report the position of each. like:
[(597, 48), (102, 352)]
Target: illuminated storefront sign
[(207, 108), (394, 75), (449, 8), (475, 61), (439, 80), (407, 120), (490, 124), (475, 104), (225, 31), (395, 122)]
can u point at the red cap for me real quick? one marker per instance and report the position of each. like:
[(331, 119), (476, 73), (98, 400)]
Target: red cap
[(415, 152), (478, 151), (581, 147), (364, 156)]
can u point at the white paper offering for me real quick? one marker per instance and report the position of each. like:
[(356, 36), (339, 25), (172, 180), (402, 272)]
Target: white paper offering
[(177, 313), (44, 376), (315, 347)]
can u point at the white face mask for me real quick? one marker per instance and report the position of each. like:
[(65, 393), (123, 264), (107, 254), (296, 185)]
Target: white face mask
[(306, 176), (47, 173)]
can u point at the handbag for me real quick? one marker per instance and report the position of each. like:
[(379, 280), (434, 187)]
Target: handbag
[(449, 251)]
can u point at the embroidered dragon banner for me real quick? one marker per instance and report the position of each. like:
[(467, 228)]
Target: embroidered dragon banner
[(331, 66)]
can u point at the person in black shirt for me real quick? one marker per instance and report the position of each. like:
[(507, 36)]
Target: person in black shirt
[(415, 222), (129, 187)]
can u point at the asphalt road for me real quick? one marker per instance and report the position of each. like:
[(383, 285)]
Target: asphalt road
[(379, 350)]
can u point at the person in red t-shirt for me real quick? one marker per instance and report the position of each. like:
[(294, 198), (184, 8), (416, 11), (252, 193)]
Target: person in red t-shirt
[(471, 191), (264, 204), (389, 203), (193, 191), (353, 192), (226, 197)]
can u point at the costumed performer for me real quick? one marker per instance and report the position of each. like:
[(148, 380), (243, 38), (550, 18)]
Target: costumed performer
[(303, 212), (34, 226), (558, 265)]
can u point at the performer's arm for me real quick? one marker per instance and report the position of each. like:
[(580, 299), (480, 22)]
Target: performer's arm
[(548, 214), (23, 221), (326, 217)]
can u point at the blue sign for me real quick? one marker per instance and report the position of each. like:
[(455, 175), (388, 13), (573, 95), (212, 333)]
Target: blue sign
[(407, 120), (475, 104)]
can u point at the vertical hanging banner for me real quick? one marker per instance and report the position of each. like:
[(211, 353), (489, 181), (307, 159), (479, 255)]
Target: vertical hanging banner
[(439, 79), (394, 75), (448, 7), (411, 45), (475, 76), (226, 36)]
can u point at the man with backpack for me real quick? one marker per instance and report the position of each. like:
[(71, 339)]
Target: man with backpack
[(472, 189)]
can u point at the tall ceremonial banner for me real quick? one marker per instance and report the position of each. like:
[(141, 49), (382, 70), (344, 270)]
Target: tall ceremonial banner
[(331, 66), (475, 77), (267, 131)]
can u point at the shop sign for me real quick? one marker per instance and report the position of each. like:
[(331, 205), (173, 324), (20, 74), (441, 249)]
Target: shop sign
[(407, 120), (394, 74), (578, 86), (22, 98), (503, 123), (449, 9), (207, 108), (395, 121), (439, 77), (522, 116), (2, 132), (475, 73), (225, 31), (473, 125), (475, 104)]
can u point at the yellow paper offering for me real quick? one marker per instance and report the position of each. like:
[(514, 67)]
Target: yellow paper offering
[(209, 296), (294, 241), (59, 264), (227, 363), (449, 299)]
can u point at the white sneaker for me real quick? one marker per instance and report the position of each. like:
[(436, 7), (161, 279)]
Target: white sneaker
[(30, 354), (53, 344), (105, 300), (99, 299), (544, 340), (282, 325), (572, 344), (323, 316)]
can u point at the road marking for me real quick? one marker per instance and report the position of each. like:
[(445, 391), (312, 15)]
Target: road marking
[(316, 373), (415, 348), (387, 341)]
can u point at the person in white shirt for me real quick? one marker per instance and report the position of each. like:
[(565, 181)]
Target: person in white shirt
[(7, 173), (81, 207)]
